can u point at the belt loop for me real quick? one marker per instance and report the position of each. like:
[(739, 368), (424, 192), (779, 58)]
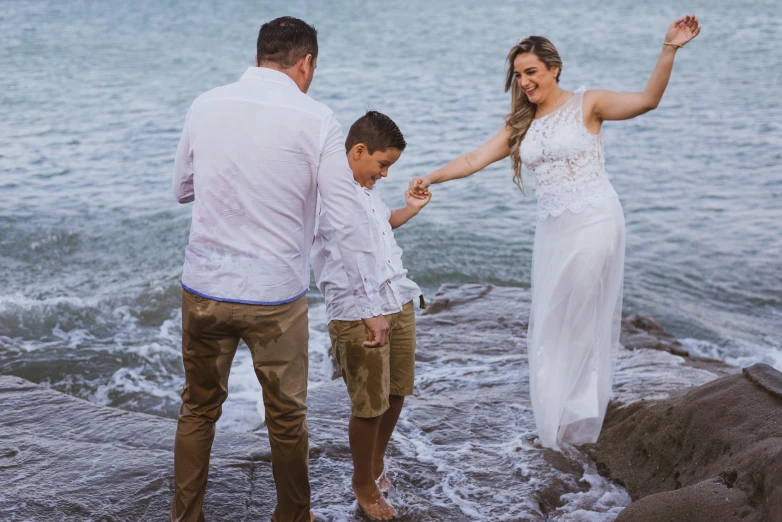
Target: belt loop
[(421, 302)]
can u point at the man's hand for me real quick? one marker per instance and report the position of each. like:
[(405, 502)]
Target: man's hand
[(377, 331)]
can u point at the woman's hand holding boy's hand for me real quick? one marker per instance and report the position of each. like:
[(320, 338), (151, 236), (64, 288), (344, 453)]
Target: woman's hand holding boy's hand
[(419, 188), (417, 202)]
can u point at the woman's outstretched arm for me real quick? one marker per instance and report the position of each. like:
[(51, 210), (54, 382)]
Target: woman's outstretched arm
[(493, 150), (602, 105)]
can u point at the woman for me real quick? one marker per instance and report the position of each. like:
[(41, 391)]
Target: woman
[(578, 254)]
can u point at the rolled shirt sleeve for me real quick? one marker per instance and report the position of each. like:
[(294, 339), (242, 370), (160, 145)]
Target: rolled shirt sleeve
[(184, 190), (350, 221)]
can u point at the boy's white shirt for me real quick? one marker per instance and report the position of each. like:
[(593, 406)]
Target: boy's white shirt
[(395, 288)]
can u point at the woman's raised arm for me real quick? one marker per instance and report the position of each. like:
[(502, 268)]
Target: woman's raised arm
[(600, 105)]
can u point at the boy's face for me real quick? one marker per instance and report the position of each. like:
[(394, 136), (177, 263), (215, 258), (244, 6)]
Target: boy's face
[(368, 168)]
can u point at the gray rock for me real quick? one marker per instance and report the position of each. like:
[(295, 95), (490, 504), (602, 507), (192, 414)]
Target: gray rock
[(63, 458), (639, 331), (766, 377), (713, 454)]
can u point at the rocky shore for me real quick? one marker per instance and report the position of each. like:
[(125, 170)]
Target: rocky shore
[(713, 454), (691, 440)]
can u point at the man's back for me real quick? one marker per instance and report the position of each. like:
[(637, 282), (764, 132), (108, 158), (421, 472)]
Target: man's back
[(254, 151)]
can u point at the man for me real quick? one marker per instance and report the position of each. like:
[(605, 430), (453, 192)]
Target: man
[(254, 155)]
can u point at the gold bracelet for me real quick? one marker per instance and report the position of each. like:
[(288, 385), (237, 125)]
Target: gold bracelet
[(678, 46)]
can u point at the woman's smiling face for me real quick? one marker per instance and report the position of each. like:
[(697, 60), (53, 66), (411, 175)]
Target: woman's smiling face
[(534, 78)]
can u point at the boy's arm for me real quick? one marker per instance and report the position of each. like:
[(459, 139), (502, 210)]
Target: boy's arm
[(402, 215)]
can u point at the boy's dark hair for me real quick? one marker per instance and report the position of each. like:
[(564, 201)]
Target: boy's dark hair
[(285, 40), (377, 131)]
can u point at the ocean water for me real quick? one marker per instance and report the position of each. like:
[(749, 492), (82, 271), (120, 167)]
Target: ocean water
[(93, 97)]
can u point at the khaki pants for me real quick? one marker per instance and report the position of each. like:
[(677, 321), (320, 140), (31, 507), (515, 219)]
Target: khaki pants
[(277, 337)]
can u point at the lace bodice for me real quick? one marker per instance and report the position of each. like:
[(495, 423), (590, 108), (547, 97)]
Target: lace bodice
[(567, 160)]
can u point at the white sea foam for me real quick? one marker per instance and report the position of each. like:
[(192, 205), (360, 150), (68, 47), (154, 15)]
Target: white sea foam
[(601, 502), (738, 352), (131, 381)]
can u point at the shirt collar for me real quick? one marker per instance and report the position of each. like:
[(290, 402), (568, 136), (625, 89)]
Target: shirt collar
[(268, 75)]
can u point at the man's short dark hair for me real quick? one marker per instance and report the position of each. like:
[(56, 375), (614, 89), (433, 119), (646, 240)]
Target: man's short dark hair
[(286, 40), (377, 131)]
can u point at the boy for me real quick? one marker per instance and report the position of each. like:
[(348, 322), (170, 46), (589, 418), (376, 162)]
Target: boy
[(378, 379)]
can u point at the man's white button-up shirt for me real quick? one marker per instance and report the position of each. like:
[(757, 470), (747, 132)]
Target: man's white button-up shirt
[(327, 263), (253, 157)]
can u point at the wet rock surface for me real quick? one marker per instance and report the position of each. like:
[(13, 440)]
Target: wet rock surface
[(63, 458), (639, 331), (464, 449)]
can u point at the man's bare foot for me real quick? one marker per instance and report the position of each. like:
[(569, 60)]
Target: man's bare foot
[(379, 469), (372, 502), (312, 516)]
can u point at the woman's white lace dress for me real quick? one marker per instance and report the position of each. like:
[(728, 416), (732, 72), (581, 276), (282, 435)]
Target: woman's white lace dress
[(577, 272)]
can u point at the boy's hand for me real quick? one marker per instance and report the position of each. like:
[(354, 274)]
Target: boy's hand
[(417, 202), (413, 206), (377, 331), (419, 187)]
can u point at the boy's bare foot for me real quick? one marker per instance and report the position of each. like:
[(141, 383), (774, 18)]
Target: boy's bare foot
[(312, 516), (372, 502), (379, 469)]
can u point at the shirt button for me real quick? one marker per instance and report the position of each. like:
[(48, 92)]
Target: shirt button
[(389, 281), (389, 261), (362, 309), (365, 279), (373, 210)]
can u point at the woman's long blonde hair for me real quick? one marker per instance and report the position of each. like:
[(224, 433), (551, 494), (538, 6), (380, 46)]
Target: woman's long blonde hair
[(521, 109)]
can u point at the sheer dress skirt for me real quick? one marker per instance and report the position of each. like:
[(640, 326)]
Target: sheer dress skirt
[(577, 273)]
